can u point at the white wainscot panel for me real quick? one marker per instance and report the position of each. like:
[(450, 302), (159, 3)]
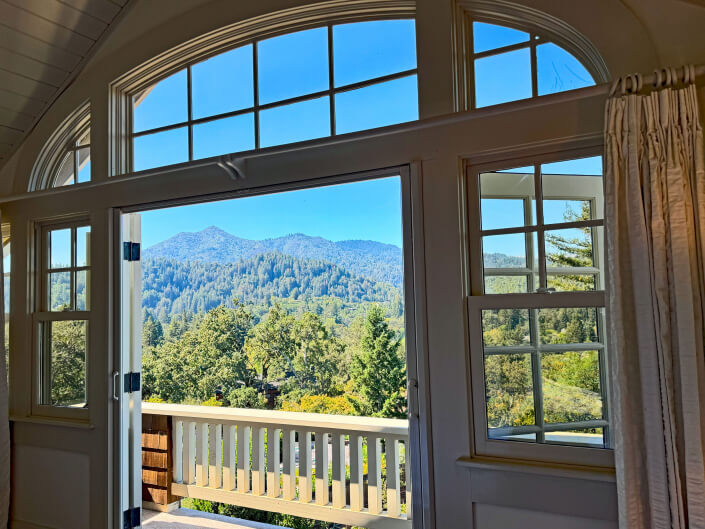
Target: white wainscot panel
[(50, 488), (497, 517)]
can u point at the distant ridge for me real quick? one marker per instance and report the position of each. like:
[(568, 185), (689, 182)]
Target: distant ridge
[(378, 261)]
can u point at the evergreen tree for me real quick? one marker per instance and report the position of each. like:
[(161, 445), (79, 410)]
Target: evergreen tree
[(379, 370), (152, 331), (270, 348)]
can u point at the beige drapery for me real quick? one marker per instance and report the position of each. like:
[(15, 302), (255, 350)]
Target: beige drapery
[(655, 226), (4, 419)]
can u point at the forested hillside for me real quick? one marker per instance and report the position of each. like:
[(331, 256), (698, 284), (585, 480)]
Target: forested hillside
[(171, 287), (375, 260)]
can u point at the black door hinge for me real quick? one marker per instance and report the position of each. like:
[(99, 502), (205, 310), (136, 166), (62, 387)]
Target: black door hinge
[(132, 382), (131, 251), (131, 518)]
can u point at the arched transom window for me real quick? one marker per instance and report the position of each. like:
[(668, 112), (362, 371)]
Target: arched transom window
[(294, 87), (65, 159), (510, 64)]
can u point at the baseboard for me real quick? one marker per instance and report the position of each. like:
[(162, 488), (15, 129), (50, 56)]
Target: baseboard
[(18, 524)]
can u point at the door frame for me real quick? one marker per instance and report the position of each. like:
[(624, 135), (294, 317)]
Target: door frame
[(413, 256)]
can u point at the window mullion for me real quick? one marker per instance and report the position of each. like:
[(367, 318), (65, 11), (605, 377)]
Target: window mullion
[(331, 80), (534, 68), (536, 375), (189, 99), (540, 239), (255, 91)]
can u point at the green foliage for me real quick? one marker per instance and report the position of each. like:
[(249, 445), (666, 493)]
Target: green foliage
[(340, 405), (68, 363), (379, 369)]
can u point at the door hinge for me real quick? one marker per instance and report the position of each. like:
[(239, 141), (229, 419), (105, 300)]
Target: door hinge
[(131, 518), (132, 382), (131, 251)]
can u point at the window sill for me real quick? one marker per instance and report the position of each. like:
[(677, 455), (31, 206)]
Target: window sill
[(544, 469), (53, 421)]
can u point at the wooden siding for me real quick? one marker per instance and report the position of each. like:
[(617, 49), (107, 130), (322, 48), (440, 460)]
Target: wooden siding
[(43, 45)]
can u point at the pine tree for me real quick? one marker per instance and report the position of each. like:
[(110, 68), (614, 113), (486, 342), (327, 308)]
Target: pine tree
[(379, 370)]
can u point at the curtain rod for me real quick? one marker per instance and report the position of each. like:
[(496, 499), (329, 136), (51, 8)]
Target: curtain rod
[(660, 78)]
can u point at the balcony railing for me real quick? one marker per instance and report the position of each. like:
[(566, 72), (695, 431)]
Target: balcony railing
[(339, 469)]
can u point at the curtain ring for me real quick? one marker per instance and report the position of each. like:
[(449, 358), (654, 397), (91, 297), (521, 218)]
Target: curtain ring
[(686, 74), (658, 78), (639, 82), (613, 89)]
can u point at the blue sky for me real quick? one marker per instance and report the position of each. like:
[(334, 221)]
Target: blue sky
[(369, 210), (361, 51)]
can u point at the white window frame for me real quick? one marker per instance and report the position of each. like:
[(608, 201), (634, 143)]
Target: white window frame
[(257, 108), (542, 28), (540, 298), (224, 39), (42, 315)]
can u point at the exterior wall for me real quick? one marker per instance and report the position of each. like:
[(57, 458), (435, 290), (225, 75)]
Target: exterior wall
[(74, 465)]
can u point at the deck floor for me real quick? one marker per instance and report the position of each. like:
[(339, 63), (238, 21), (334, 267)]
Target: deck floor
[(190, 519)]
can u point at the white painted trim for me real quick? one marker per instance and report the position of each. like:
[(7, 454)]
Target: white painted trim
[(542, 469)]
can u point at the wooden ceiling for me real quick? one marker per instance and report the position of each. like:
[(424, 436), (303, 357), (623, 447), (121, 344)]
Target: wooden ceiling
[(43, 45)]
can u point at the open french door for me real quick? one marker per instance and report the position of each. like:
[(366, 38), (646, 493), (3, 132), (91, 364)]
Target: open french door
[(129, 377)]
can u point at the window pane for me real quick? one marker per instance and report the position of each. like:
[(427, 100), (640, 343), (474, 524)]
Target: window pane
[(82, 290), (505, 327), (509, 391), (569, 248), (224, 136), (159, 149), (577, 180), (504, 251), (365, 50), (500, 213), (568, 325), (223, 83), (571, 386), (588, 436), (83, 245), (296, 122), (164, 103), (571, 282), (490, 36), (84, 164), (502, 78), (65, 176), (506, 284), (377, 105), (558, 70), (292, 65), (60, 291), (63, 380), (60, 245), (556, 211)]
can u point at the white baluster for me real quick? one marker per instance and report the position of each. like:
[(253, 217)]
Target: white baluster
[(407, 478), (273, 461), (229, 456), (258, 460), (243, 458), (339, 499), (189, 453), (374, 475), (393, 492), (322, 496), (202, 454), (215, 471), (305, 477), (356, 482), (289, 464), (177, 435)]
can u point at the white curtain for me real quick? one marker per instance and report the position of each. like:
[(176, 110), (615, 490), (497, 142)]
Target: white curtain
[(4, 420), (655, 223)]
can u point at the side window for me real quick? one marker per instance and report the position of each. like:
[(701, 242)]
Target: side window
[(65, 159), (536, 309), (289, 88), (61, 322)]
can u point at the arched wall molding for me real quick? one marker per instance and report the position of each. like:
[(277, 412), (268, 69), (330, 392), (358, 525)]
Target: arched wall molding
[(227, 37), (521, 17), (51, 155)]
